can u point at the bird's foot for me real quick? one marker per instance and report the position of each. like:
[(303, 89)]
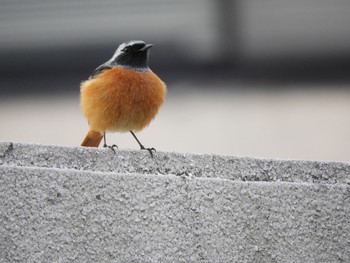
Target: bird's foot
[(111, 147), (150, 150)]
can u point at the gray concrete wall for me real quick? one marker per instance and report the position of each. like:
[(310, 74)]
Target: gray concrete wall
[(61, 204)]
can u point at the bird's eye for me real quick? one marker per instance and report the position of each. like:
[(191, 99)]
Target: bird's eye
[(126, 50)]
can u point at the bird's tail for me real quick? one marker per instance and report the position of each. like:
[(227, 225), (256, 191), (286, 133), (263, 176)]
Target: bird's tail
[(92, 139)]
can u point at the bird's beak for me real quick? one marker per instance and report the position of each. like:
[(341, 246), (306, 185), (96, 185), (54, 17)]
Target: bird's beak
[(147, 46)]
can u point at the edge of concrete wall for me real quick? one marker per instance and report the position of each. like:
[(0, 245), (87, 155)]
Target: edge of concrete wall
[(181, 164)]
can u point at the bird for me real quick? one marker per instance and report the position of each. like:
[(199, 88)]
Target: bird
[(121, 95)]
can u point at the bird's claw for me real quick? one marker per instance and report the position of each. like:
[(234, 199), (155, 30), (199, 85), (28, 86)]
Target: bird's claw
[(111, 147), (150, 150)]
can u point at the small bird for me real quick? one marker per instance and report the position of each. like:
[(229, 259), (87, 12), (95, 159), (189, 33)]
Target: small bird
[(121, 95)]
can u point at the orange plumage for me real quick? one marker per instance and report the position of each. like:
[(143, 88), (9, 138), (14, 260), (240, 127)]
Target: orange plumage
[(122, 99)]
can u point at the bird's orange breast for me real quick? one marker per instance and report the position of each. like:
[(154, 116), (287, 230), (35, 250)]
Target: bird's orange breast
[(122, 99)]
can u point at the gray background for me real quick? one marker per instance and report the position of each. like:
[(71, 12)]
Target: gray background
[(260, 78)]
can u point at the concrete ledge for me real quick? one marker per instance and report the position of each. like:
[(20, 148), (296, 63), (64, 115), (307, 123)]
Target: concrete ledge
[(207, 165), (89, 205)]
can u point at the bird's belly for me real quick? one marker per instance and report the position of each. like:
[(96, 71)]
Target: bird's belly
[(133, 112), (116, 102)]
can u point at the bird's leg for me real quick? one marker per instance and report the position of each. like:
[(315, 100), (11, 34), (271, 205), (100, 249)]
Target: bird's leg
[(108, 146), (141, 146)]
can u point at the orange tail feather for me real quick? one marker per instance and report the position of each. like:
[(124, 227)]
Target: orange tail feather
[(92, 139)]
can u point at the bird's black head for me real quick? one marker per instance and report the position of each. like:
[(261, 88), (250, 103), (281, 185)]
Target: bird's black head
[(132, 54)]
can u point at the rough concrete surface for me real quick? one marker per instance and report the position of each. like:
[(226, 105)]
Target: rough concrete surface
[(61, 204)]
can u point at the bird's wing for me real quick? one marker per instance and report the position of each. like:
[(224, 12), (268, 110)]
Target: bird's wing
[(99, 70)]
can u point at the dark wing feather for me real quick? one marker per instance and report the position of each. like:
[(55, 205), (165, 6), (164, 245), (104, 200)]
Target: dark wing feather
[(99, 70)]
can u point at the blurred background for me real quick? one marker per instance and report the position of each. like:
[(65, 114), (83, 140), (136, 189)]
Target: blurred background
[(262, 78)]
